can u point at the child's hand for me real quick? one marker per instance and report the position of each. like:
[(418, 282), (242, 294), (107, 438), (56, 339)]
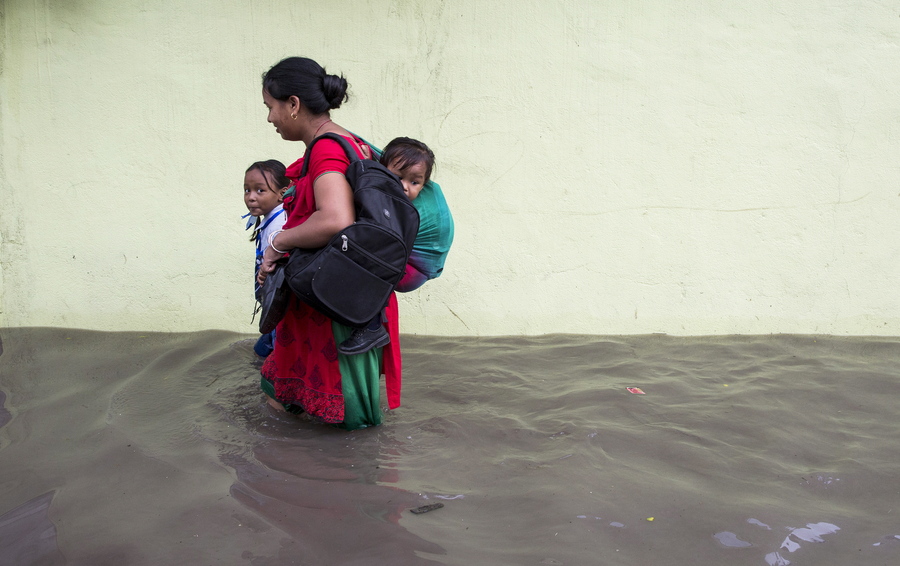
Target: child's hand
[(270, 258)]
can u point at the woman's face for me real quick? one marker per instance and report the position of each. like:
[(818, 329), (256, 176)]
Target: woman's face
[(280, 112)]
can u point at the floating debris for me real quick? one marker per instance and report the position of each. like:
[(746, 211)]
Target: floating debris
[(426, 508)]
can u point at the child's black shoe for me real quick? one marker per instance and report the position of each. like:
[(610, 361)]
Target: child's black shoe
[(362, 340)]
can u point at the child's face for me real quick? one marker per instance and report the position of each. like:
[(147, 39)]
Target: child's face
[(412, 177), (259, 198)]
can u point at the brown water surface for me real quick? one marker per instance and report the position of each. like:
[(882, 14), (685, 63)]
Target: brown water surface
[(147, 449)]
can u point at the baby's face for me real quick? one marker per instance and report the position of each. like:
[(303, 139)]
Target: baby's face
[(412, 177), (258, 196)]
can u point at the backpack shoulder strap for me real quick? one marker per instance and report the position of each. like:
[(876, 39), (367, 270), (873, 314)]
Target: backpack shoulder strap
[(348, 149)]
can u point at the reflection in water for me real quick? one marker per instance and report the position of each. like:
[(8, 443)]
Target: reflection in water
[(759, 524), (157, 449), (27, 536), (731, 540), (812, 532), (4, 413)]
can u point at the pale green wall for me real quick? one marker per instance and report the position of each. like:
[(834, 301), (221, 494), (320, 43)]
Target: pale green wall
[(617, 167)]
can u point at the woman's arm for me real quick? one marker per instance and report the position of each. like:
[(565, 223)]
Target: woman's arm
[(334, 212)]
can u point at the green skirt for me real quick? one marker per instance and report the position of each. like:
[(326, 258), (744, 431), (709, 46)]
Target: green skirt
[(360, 385)]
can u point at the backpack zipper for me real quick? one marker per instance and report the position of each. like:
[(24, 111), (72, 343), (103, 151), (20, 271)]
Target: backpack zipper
[(345, 245)]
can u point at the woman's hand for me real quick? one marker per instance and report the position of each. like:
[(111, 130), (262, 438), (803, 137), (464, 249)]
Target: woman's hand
[(334, 212), (270, 258)]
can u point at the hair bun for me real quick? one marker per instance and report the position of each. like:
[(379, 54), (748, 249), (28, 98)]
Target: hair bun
[(308, 81), (334, 88)]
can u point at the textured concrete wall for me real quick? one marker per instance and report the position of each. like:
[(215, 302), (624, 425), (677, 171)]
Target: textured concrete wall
[(614, 167)]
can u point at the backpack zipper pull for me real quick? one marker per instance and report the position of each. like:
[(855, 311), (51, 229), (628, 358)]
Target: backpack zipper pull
[(344, 242)]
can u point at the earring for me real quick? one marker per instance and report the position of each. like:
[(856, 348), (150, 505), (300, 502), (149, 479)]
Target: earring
[(293, 116)]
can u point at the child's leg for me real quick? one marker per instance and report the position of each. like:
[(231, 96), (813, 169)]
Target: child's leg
[(376, 322), (265, 344), (373, 335)]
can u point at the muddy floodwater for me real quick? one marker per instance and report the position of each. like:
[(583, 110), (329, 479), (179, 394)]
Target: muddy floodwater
[(150, 449)]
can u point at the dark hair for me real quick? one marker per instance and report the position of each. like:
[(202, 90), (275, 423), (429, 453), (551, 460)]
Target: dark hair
[(276, 169), (407, 152), (308, 81)]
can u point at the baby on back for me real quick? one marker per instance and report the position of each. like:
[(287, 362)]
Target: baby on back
[(413, 162)]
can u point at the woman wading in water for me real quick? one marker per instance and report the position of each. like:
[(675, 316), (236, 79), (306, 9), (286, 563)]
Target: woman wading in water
[(305, 372)]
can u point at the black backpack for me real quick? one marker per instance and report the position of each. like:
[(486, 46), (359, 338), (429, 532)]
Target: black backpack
[(351, 278)]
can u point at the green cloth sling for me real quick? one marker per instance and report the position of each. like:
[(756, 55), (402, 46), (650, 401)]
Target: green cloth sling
[(436, 227)]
